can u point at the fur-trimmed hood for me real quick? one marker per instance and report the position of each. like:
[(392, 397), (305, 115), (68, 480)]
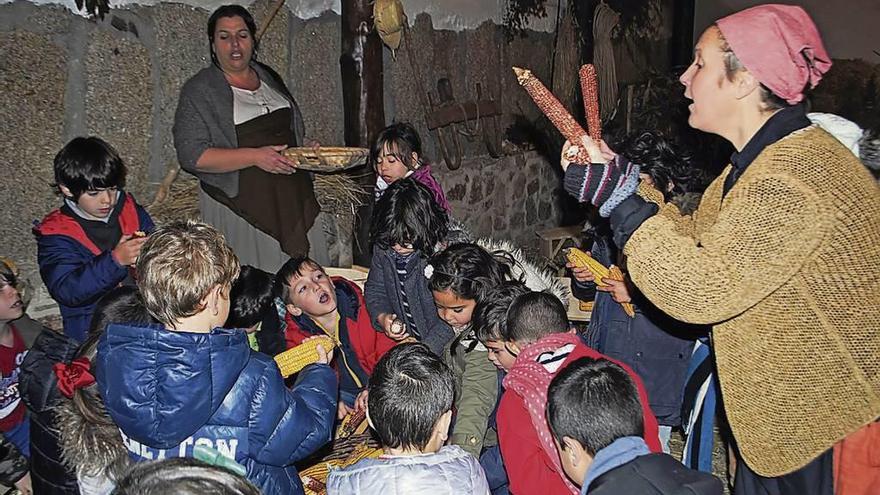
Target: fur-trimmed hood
[(535, 277), (90, 448)]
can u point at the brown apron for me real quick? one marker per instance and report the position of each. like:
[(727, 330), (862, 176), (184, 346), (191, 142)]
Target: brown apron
[(283, 206)]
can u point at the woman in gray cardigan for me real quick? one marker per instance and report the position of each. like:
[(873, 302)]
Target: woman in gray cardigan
[(232, 120)]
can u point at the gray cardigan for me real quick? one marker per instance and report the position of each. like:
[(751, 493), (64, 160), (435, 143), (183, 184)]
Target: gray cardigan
[(204, 120)]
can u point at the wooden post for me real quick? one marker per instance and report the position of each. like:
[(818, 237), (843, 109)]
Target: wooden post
[(363, 105)]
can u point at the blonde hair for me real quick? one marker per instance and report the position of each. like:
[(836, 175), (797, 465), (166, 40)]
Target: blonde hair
[(178, 266)]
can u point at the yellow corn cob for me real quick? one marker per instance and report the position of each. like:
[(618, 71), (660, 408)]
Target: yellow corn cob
[(615, 274), (351, 423), (581, 259), (293, 360)]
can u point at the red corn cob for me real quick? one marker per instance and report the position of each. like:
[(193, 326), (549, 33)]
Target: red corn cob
[(590, 90), (555, 111)]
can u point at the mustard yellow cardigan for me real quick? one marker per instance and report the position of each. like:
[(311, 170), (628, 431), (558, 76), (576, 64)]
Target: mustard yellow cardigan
[(787, 269)]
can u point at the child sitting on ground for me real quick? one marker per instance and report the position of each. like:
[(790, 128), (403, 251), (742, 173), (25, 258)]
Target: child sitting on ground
[(86, 247), (397, 154), (185, 382), (537, 334), (410, 409), (252, 306), (317, 304), (596, 419), (407, 228)]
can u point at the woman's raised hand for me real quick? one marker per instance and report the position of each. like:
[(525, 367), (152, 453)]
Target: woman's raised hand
[(270, 159), (599, 152)]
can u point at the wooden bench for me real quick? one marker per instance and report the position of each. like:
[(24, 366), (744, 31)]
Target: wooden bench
[(552, 240)]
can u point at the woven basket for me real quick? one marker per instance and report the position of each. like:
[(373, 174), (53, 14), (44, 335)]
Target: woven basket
[(327, 160)]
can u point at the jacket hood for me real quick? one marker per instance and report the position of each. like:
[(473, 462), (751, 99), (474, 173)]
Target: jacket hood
[(161, 386), (535, 277), (449, 471), (38, 383)]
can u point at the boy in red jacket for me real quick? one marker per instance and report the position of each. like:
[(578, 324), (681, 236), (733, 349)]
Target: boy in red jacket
[(537, 333), (317, 304)]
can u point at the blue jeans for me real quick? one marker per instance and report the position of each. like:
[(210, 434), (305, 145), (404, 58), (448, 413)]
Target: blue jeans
[(20, 436), (493, 465)]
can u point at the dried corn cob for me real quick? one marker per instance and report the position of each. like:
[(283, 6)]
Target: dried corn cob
[(293, 360), (555, 111), (351, 423), (579, 258), (362, 451), (590, 91), (615, 274)]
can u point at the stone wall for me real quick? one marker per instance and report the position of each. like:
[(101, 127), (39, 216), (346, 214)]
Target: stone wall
[(64, 76)]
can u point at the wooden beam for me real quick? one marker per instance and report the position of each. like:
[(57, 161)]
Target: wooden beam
[(452, 113)]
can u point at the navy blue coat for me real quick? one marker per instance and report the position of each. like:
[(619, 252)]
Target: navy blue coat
[(168, 391), (382, 292), (76, 274), (657, 347)]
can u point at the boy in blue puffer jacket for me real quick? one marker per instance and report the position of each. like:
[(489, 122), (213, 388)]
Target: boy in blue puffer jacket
[(86, 247), (186, 382)]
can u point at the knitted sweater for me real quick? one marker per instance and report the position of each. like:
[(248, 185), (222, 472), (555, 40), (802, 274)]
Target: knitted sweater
[(786, 269)]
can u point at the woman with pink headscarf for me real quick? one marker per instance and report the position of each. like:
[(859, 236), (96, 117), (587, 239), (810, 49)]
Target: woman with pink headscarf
[(782, 257)]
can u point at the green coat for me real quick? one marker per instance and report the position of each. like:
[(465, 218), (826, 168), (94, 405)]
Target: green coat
[(476, 387)]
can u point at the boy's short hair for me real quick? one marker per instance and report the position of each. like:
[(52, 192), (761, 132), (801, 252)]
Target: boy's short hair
[(410, 389), (251, 297), (594, 402), (407, 213), (489, 319), (86, 164), (293, 267), (182, 476), (178, 266), (535, 315)]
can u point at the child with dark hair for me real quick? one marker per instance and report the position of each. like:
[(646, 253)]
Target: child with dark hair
[(91, 445), (596, 419), (316, 304), (186, 382), (86, 247), (537, 333), (407, 228), (410, 409), (183, 476), (252, 304), (656, 346), (490, 322), (14, 423), (397, 154)]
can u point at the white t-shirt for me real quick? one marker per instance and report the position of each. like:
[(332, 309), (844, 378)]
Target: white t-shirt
[(247, 105)]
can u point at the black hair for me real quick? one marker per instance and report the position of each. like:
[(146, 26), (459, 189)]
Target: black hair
[(121, 305), (292, 267), (410, 390), (182, 476), (402, 141), (87, 164), (251, 298), (231, 11), (8, 275), (489, 320), (407, 213), (594, 402), (535, 315), (670, 165), (468, 270)]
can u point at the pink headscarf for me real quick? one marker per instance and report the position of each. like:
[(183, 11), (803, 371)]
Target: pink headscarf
[(780, 46)]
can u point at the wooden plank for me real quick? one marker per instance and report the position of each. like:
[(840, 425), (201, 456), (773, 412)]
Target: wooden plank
[(452, 113)]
